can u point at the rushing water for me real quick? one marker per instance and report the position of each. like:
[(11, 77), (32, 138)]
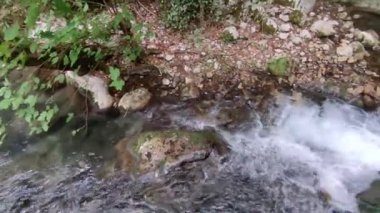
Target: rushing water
[(302, 157)]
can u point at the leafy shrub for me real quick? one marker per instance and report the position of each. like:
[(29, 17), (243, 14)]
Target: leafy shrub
[(70, 32), (178, 14)]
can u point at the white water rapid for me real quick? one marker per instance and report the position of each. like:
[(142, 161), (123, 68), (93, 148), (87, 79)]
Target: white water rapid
[(332, 148)]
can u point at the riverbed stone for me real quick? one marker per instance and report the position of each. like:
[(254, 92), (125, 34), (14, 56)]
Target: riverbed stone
[(95, 86), (190, 91), (151, 150), (324, 28), (285, 27), (305, 34), (345, 50), (135, 100)]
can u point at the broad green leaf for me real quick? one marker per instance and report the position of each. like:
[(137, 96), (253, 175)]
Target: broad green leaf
[(33, 47), (32, 15), (69, 117), (5, 103), (31, 100), (11, 32), (62, 8), (114, 73), (60, 78), (73, 55)]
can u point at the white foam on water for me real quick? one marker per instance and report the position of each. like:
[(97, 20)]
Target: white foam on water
[(332, 148), (338, 143)]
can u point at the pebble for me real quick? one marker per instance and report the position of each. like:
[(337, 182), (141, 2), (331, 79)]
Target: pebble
[(305, 34), (283, 36), (296, 40), (285, 27), (165, 81), (169, 57), (284, 17)]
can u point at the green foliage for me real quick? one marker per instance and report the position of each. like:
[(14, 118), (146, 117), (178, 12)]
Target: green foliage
[(296, 17), (117, 82), (71, 32), (227, 37), (279, 66), (178, 14)]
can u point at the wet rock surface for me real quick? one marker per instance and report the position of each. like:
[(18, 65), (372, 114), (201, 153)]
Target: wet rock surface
[(134, 100), (93, 85), (164, 148), (369, 200)]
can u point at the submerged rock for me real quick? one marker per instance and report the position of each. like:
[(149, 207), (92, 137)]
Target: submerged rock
[(324, 28), (166, 148), (369, 200), (134, 100), (94, 85)]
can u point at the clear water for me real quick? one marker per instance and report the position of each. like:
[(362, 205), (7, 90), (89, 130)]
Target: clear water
[(303, 157)]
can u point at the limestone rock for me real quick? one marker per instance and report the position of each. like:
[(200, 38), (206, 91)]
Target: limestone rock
[(283, 36), (285, 27), (135, 100), (94, 85), (284, 17), (305, 34), (345, 50), (324, 28)]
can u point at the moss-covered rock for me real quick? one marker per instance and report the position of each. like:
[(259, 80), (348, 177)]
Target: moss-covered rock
[(154, 149), (296, 17), (280, 66), (268, 26)]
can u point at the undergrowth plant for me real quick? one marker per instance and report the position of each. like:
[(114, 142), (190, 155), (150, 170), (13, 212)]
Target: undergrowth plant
[(58, 33), (178, 14)]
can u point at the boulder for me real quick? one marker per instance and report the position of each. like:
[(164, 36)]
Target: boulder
[(95, 86), (369, 200), (135, 100), (166, 148), (367, 38), (324, 28)]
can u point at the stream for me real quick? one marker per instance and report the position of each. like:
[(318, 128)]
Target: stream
[(298, 157), (295, 156)]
